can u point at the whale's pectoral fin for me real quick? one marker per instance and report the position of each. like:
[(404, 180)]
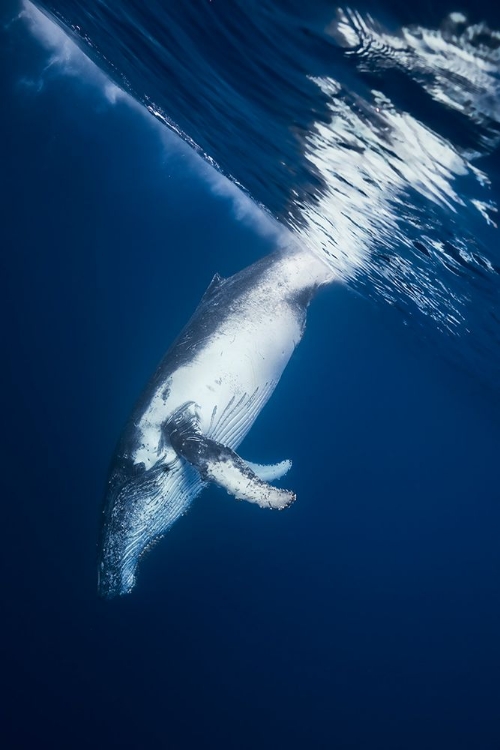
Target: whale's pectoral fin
[(228, 470), (271, 472), (219, 464)]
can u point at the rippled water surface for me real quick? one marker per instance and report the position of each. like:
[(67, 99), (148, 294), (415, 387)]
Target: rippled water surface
[(371, 133)]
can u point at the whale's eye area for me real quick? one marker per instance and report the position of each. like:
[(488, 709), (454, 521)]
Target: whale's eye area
[(166, 468)]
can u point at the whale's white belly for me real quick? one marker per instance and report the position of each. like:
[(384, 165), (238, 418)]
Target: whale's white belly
[(230, 379)]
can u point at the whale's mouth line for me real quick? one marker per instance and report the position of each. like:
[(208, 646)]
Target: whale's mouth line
[(137, 513)]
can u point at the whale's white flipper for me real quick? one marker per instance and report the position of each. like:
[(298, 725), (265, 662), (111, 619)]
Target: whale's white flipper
[(228, 470), (219, 464), (271, 472)]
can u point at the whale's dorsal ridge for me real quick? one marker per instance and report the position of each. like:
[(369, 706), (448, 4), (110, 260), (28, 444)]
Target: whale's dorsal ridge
[(219, 464), (214, 285)]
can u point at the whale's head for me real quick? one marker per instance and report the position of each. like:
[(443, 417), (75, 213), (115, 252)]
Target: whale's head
[(140, 506)]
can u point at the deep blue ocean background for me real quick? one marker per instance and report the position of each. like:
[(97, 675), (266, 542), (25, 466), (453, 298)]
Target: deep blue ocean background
[(367, 616)]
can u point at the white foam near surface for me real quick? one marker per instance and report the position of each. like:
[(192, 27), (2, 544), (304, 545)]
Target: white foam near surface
[(67, 58), (359, 204), (378, 164)]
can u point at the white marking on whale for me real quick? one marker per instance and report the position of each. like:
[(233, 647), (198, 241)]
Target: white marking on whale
[(199, 405)]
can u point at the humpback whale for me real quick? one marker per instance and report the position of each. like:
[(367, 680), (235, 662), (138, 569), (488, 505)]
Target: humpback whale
[(200, 403)]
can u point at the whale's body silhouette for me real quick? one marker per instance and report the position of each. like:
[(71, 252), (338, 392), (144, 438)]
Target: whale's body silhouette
[(200, 404)]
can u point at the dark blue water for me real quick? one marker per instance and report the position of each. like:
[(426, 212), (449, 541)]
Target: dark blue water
[(367, 616)]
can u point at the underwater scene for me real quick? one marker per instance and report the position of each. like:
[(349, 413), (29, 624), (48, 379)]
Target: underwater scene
[(251, 264)]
